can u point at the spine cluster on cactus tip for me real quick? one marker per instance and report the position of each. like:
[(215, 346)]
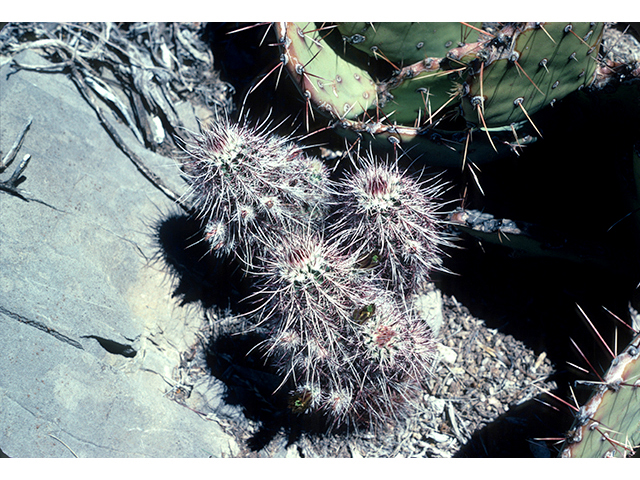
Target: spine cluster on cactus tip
[(390, 218), (247, 184), (334, 262)]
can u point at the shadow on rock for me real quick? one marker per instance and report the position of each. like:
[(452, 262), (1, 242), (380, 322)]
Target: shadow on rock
[(201, 277), (233, 355)]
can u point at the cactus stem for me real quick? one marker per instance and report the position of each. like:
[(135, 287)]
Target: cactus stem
[(596, 331), (595, 420)]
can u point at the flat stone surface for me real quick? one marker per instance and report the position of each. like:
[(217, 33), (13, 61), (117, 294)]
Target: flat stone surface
[(89, 332)]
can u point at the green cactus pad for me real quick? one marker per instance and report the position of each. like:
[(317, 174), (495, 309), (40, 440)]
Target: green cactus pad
[(608, 425), (333, 84), (405, 43), (412, 98), (545, 71), (463, 79)]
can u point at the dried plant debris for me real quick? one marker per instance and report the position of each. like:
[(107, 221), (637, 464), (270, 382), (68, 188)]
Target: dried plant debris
[(621, 46), (490, 373), (11, 184), (154, 77), (144, 72), (481, 373)]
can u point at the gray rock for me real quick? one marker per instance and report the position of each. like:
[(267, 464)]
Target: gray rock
[(428, 304), (89, 333)]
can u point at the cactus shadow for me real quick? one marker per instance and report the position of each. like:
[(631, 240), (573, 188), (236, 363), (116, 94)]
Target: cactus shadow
[(200, 278), (586, 258), (257, 388), (513, 434), (209, 282), (535, 301)]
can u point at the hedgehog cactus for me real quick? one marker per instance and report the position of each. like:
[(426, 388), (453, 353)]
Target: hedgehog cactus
[(366, 375), (334, 263), (409, 82), (248, 185), (388, 218)]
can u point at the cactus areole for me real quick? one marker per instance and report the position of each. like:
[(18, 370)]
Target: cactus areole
[(434, 84)]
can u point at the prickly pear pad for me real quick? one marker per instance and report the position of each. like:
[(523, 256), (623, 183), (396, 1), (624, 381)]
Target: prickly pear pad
[(608, 425), (536, 72), (333, 84), (404, 43)]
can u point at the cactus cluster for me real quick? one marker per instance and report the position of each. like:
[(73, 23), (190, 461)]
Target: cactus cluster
[(334, 263), (387, 219), (435, 84), (463, 91), (246, 183)]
